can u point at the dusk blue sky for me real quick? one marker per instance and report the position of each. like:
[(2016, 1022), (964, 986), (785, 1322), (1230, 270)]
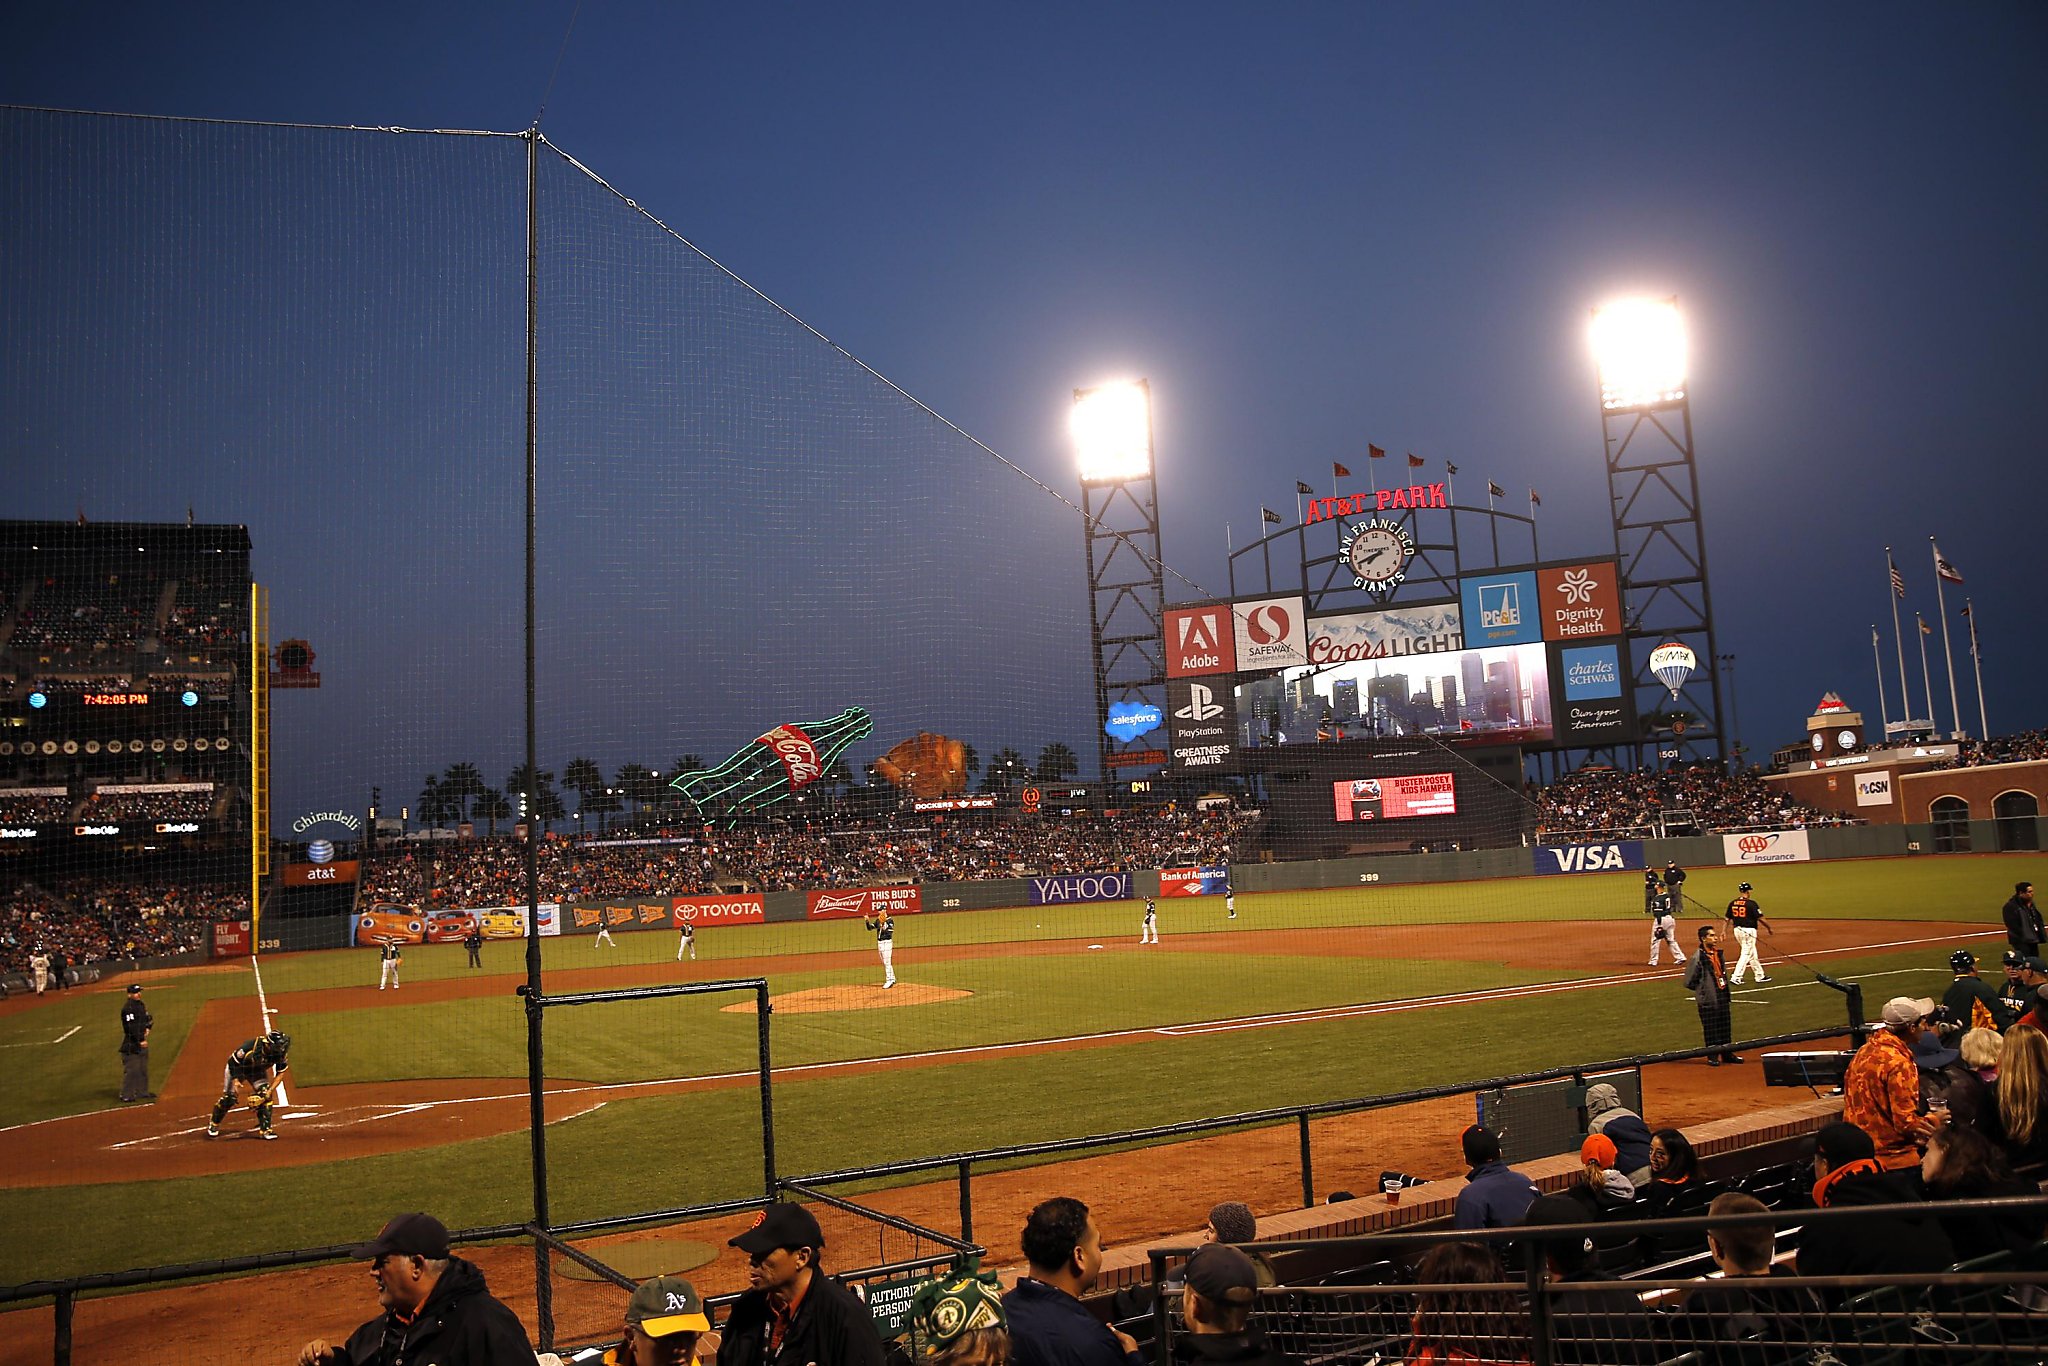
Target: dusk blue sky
[(1311, 227)]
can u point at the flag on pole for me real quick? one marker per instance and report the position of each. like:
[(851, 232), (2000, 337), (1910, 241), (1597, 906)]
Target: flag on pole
[(1495, 489), (1942, 566), (1534, 501), (1898, 579), (1925, 629), (1415, 462), (1873, 637), (1373, 452), (1268, 515), (1449, 468), (1341, 471), (1300, 487)]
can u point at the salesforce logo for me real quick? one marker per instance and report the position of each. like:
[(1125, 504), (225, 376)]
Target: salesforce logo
[(1128, 720), (320, 851)]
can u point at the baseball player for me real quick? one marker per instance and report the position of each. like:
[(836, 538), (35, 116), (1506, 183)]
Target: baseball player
[(1745, 915), (1149, 933), (1674, 879), (256, 1065), (884, 927), (1230, 903), (1663, 912), (687, 943), (474, 943), (604, 930), (1651, 891), (388, 959), (2014, 991), (39, 968)]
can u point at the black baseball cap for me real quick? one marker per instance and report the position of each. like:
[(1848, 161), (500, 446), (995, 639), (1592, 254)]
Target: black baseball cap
[(134, 987), (408, 1235), (1744, 887), (1962, 960), (779, 1226), (1221, 1273)]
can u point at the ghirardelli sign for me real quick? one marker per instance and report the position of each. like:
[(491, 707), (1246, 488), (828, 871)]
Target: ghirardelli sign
[(313, 818), (798, 755)]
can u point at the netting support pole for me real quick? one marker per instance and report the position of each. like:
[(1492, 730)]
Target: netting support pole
[(966, 1201), (543, 1267), (1542, 1350), (770, 1179), (65, 1302), (1308, 1164)]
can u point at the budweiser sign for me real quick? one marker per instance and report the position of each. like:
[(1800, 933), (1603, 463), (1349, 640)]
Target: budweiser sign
[(867, 901), (799, 756)]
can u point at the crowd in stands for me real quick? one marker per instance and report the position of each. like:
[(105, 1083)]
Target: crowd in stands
[(475, 873), (2002, 749), (18, 807), (204, 616), (96, 920), (190, 805), (1603, 799), (100, 611)]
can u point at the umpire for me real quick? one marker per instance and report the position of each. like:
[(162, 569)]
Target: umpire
[(135, 1026)]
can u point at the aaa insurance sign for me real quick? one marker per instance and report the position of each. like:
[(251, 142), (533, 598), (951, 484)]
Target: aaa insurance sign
[(1200, 640)]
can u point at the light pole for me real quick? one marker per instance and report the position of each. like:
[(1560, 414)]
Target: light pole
[(1112, 430), (1734, 713)]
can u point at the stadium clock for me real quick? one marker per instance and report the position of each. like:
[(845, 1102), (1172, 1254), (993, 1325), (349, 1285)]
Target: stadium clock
[(1377, 554)]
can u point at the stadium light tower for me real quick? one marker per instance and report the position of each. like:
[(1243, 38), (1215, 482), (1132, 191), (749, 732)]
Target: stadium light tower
[(1641, 352), (1112, 431)]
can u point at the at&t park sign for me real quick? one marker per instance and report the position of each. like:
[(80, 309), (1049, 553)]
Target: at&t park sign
[(1359, 504)]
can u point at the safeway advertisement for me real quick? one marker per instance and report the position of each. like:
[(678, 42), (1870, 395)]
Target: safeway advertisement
[(1769, 846), (1194, 881), (719, 910), (865, 902)]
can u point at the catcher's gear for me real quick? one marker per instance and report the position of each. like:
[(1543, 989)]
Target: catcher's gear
[(279, 1041), (926, 766)]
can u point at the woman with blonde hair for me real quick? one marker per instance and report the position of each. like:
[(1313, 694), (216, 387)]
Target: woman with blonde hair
[(2013, 1120)]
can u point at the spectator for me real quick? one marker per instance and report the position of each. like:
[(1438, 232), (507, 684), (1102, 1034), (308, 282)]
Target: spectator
[(416, 1273), (958, 1320), (1484, 1324), (1969, 1090), (1962, 1164), (1981, 1050), (1605, 1114), (1233, 1222), (1601, 1192), (2014, 1119), (1881, 1089), (1676, 1191), (793, 1310), (1495, 1195), (664, 1321), (1049, 1326), (1969, 1003), (1887, 1241), (1216, 1306), (1600, 1327), (1748, 1317), (2023, 927)]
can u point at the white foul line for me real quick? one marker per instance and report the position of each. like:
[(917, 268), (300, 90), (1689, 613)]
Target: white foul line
[(263, 1004), (67, 1033)]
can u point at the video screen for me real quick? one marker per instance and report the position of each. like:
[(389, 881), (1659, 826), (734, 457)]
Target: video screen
[(1388, 799), (1498, 694)]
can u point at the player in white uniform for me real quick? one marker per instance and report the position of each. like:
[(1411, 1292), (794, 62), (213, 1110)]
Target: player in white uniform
[(387, 968), (1149, 932), (604, 930), (1230, 903), (1663, 911), (687, 943)]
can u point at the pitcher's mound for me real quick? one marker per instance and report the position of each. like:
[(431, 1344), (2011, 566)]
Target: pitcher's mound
[(853, 998)]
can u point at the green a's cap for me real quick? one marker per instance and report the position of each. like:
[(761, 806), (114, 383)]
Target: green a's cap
[(665, 1305), (942, 1310)]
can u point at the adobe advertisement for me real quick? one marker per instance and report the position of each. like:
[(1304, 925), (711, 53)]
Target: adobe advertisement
[(1200, 640), (1395, 798)]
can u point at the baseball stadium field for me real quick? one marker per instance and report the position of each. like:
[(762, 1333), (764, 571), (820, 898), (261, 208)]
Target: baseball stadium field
[(1007, 1027)]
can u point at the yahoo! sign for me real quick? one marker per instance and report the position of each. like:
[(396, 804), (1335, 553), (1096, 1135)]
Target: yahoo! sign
[(1057, 891)]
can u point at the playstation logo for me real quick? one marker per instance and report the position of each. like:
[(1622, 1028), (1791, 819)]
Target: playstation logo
[(1202, 705)]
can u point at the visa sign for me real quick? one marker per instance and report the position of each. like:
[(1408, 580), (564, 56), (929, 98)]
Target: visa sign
[(1128, 720), (1058, 891), (1616, 856)]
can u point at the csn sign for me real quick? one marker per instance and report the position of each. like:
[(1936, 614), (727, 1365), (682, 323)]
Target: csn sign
[(1614, 857)]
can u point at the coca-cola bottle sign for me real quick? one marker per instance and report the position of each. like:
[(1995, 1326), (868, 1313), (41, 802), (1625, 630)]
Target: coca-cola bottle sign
[(773, 766)]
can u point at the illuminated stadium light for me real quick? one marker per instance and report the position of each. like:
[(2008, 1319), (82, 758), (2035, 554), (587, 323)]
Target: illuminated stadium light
[(1112, 427), (1639, 346)]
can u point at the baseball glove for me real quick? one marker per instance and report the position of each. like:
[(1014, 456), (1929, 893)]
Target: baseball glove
[(926, 766), (868, 921)]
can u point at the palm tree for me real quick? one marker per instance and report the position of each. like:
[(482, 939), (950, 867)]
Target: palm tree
[(1005, 770), (549, 808), (600, 804), (970, 760), (434, 805), (460, 783), (490, 805), (584, 777), (1057, 762), (535, 792), (638, 783)]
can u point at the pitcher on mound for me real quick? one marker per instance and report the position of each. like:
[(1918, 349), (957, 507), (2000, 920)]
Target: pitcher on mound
[(885, 943)]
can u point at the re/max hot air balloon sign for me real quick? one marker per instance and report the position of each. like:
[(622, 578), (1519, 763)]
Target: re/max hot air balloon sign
[(1673, 663)]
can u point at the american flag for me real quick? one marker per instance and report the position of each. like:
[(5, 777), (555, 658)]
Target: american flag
[(1898, 579)]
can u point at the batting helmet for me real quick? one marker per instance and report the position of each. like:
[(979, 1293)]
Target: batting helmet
[(1962, 960), (279, 1042), (1745, 887)]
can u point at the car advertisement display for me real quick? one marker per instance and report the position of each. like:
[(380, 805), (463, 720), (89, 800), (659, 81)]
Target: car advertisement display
[(1769, 846), (1269, 633), (449, 927), (1200, 640), (1397, 797), (1591, 688), (856, 905), (509, 922), (1387, 633), (1201, 725), (1194, 881), (1501, 609), (1058, 891), (1612, 857), (388, 923), (1580, 601), (717, 910)]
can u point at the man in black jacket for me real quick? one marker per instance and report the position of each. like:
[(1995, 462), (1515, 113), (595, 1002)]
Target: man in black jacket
[(1883, 1243), (1216, 1305), (2023, 927), (135, 1025), (794, 1313), (436, 1307)]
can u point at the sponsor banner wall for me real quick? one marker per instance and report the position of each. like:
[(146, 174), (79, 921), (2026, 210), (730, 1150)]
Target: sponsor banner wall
[(1612, 857), (1194, 881), (1773, 846), (1387, 633), (717, 910), (1580, 601), (1270, 633), (1589, 687), (509, 922), (230, 938), (1200, 640), (619, 915), (864, 902), (1201, 722), (1500, 609), (319, 874), (1874, 789), (1058, 891)]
